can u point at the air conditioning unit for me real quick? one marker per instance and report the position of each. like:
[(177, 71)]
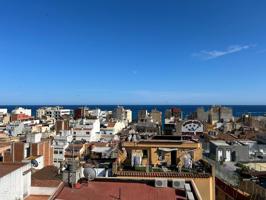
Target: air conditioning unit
[(178, 183), (190, 196), (161, 183), (187, 187)]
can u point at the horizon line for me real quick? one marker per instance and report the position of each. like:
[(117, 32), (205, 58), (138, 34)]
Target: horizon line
[(132, 104)]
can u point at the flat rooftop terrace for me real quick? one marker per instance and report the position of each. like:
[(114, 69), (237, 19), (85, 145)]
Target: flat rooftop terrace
[(219, 143), (6, 168), (119, 190), (227, 143)]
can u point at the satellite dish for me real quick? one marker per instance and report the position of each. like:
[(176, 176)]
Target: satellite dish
[(89, 173), (34, 163)]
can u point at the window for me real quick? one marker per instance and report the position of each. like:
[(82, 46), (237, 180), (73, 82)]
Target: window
[(145, 153), (161, 155)]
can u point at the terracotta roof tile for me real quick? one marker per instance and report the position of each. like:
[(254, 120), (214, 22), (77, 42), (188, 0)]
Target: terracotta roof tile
[(46, 177), (110, 190)]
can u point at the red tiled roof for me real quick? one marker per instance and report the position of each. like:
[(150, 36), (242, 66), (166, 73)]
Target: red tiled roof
[(110, 190), (46, 177), (45, 183)]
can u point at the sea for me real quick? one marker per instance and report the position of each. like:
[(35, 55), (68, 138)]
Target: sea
[(238, 110)]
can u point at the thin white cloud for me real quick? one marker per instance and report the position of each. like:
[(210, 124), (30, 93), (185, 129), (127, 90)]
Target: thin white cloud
[(207, 55)]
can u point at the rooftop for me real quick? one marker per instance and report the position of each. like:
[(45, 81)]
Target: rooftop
[(46, 177), (225, 136), (219, 143), (118, 190), (165, 139), (38, 197), (227, 143), (6, 168)]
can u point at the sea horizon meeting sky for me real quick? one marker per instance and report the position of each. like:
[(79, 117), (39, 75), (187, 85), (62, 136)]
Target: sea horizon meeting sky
[(133, 52)]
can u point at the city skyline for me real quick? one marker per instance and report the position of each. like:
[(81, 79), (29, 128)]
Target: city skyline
[(132, 52)]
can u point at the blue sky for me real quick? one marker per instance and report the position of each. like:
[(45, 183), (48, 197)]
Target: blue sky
[(133, 52)]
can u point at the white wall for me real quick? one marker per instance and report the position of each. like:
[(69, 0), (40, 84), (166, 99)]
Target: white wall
[(192, 126), (40, 161), (129, 116), (60, 143), (34, 137), (93, 125), (15, 129), (40, 112), (59, 154), (82, 134), (15, 184), (3, 111), (22, 110)]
